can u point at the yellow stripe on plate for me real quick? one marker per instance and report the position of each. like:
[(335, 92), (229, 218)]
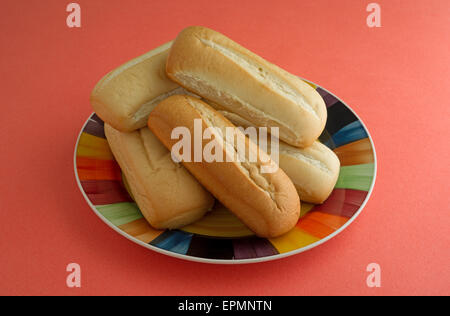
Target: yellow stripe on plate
[(305, 208), (220, 222), (311, 84), (293, 240), (94, 147)]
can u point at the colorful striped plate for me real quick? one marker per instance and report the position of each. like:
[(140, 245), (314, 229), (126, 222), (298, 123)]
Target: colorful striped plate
[(220, 237)]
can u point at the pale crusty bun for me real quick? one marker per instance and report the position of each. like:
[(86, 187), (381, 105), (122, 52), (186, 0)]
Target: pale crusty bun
[(166, 193), (314, 170), (125, 97), (220, 70), (266, 202)]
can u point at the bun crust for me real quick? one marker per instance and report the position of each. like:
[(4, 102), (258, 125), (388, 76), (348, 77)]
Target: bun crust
[(166, 193), (266, 202), (314, 170), (214, 67), (125, 96)]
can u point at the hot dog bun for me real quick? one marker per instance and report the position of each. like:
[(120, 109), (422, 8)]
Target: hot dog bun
[(266, 202), (220, 70), (125, 97), (314, 170), (166, 193)]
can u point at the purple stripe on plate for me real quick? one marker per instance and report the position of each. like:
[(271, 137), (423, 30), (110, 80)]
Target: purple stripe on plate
[(94, 128), (253, 247), (102, 192), (327, 97), (97, 119), (342, 202)]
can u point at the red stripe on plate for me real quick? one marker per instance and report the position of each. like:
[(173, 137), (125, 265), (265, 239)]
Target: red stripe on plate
[(102, 192), (97, 169)]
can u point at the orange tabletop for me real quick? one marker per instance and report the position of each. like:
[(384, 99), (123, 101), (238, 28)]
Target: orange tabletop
[(396, 78)]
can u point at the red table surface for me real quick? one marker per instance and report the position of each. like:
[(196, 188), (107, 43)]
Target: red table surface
[(395, 77)]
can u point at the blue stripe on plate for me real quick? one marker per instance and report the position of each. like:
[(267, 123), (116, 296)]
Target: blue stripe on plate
[(348, 134), (174, 241)]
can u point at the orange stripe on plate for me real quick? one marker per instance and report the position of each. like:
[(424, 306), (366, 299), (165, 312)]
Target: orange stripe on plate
[(332, 221), (97, 169), (315, 228), (293, 240), (356, 153), (141, 230)]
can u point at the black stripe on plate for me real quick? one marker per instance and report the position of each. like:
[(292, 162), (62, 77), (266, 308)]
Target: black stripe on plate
[(211, 248), (339, 116)]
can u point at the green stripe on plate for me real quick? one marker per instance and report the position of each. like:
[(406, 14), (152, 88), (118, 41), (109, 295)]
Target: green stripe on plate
[(120, 213), (357, 177)]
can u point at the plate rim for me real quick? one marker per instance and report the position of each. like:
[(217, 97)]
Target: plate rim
[(234, 261)]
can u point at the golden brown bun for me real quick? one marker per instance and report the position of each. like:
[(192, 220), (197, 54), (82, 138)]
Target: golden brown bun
[(166, 193), (125, 97), (266, 202), (220, 70), (314, 170)]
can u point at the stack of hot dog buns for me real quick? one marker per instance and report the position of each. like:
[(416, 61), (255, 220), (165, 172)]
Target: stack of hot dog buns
[(204, 76)]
